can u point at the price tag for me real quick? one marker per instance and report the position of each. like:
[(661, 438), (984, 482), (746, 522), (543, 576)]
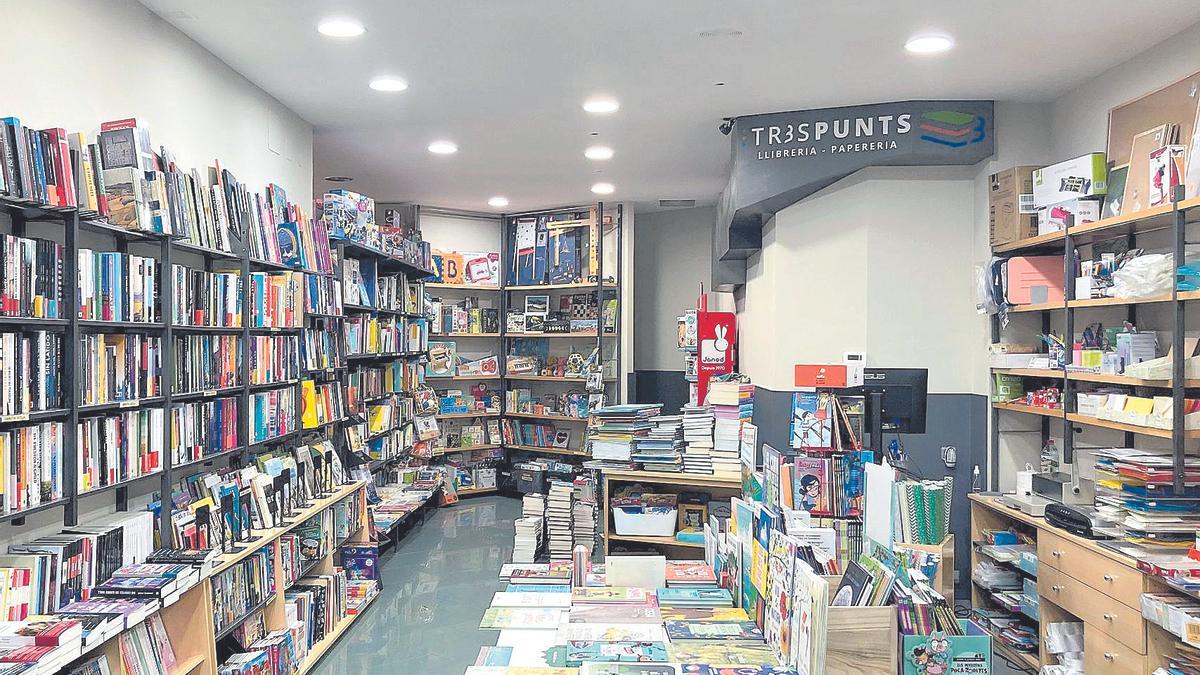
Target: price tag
[(330, 369), (22, 417), (211, 392), (274, 329), (1191, 634), (128, 404)]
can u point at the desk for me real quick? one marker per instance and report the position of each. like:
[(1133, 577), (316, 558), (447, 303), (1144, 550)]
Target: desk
[(1078, 580)]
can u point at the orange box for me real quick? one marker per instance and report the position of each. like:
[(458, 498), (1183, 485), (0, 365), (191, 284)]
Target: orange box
[(822, 375), (1034, 279)]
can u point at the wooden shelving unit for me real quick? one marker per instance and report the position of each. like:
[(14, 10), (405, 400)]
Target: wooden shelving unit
[(658, 541), (548, 451), (1173, 217), (671, 482), (551, 417), (466, 416), (463, 287)]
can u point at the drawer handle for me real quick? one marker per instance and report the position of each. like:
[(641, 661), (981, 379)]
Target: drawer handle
[(1056, 589), (1109, 617), (1110, 657), (1109, 578), (1056, 554)]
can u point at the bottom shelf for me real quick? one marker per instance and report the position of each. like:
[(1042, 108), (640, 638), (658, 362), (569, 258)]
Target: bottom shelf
[(321, 648), (1021, 658), (662, 541)]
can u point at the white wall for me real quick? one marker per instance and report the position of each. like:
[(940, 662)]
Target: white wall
[(1079, 118), (77, 63), (672, 257)]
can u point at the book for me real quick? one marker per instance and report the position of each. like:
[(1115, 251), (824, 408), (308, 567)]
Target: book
[(614, 613), (41, 631), (723, 631), (722, 653), (117, 287), (208, 362), (575, 652), (32, 280), (610, 632), (116, 448), (520, 617), (203, 298), (694, 597), (523, 599), (855, 587)]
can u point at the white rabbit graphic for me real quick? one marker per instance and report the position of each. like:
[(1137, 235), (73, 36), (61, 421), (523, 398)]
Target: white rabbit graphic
[(713, 351)]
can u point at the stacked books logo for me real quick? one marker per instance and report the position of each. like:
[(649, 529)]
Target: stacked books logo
[(952, 129)]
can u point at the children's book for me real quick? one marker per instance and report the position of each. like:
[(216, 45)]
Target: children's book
[(631, 669), (695, 597), (493, 656), (722, 631), (810, 482), (610, 632), (576, 652), (614, 613), (609, 594), (537, 588), (522, 599), (812, 420), (855, 588), (520, 617), (723, 653), (690, 573), (704, 614)]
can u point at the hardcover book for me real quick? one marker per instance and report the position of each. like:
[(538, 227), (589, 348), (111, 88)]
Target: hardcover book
[(722, 631), (576, 652)]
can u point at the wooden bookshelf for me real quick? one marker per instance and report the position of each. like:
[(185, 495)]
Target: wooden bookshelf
[(463, 287), (1126, 380), (472, 378), (464, 335), (717, 486), (1120, 302), (556, 335), (1088, 420), (1146, 220), (320, 649), (545, 416), (1039, 307), (1029, 409), (1030, 372), (661, 541), (548, 451), (1030, 242), (464, 416)]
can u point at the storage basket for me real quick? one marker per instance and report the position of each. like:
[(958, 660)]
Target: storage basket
[(634, 522)]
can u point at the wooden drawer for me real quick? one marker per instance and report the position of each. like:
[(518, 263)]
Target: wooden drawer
[(1103, 654), (1104, 574), (1119, 621)]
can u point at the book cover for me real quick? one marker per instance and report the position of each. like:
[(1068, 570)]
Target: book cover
[(855, 586), (610, 594), (614, 613), (689, 573), (610, 632), (712, 597), (722, 631), (576, 652), (520, 617), (530, 599), (722, 653), (810, 485)]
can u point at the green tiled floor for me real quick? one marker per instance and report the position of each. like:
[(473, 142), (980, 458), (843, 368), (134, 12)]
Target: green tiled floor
[(437, 584)]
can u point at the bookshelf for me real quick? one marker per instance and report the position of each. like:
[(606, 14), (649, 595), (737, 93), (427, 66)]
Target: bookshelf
[(1173, 219)]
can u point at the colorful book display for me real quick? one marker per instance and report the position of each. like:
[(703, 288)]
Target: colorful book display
[(206, 298), (201, 429), (117, 287), (207, 362), (31, 366), (116, 448), (274, 359)]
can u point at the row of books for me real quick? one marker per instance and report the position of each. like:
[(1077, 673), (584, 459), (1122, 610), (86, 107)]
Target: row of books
[(243, 588), (825, 486), (117, 287), (32, 277), (119, 367), (31, 460), (369, 334), (321, 403), (541, 435), (321, 346), (572, 404), (274, 358), (38, 164), (369, 383), (458, 318), (319, 603), (204, 298), (200, 429), (282, 234), (272, 414), (31, 366), (113, 449), (322, 295), (277, 299), (207, 362), (48, 573)]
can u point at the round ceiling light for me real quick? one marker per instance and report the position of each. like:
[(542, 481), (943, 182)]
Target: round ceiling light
[(598, 152), (603, 188), (443, 148), (340, 28), (929, 44), (498, 202), (601, 105), (388, 84), (339, 179)]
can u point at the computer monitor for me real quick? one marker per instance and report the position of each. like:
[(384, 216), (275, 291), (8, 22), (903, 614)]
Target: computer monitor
[(904, 391)]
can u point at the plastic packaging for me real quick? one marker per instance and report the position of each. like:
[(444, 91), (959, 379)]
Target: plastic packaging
[(1145, 276)]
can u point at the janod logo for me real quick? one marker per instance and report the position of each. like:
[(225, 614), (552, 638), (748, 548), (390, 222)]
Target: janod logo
[(952, 129)]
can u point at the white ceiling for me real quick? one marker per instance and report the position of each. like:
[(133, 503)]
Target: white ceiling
[(505, 79)]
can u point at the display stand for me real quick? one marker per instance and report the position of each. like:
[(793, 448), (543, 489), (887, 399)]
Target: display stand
[(720, 488)]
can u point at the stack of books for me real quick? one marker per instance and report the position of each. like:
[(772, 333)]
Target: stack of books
[(1137, 499), (558, 520), (732, 405), (612, 430), (585, 524), (698, 439), (528, 539), (661, 448)]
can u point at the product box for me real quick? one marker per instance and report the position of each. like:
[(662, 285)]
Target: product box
[(1006, 224), (1008, 387), (1166, 173), (1010, 199), (1015, 181), (950, 654), (1085, 176), (1073, 212)]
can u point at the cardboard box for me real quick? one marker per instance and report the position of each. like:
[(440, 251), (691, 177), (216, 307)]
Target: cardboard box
[(1007, 387), (1073, 212), (1009, 194), (1085, 176)]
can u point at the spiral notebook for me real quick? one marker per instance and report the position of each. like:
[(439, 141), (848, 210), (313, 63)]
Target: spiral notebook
[(924, 508)]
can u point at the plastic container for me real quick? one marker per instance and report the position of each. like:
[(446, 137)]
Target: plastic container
[(635, 523)]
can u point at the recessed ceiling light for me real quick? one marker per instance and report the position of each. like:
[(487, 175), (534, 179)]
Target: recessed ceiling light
[(929, 43), (498, 202), (598, 152), (388, 84), (339, 179), (340, 28), (603, 188), (443, 148), (601, 105), (718, 84)]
